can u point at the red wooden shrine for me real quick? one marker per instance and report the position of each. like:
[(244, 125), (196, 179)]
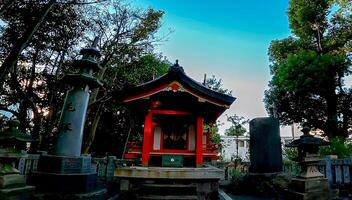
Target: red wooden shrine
[(174, 108)]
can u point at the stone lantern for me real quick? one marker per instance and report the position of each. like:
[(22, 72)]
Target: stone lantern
[(12, 184), (67, 172), (310, 183)]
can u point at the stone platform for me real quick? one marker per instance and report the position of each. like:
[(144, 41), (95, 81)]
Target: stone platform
[(207, 172), (169, 183)]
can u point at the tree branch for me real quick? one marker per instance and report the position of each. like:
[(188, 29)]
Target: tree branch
[(10, 61)]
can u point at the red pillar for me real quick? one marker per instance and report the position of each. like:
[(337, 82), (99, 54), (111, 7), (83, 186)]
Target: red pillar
[(199, 142), (147, 138)]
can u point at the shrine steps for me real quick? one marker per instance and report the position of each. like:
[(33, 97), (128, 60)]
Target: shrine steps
[(169, 183), (156, 197), (168, 191)]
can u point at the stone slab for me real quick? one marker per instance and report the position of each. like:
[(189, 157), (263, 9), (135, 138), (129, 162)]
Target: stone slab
[(98, 194), (317, 195), (16, 193), (169, 197), (63, 183), (9, 180), (203, 173), (65, 164)]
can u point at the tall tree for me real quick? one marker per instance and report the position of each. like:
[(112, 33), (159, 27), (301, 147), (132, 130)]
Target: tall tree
[(31, 92), (236, 129), (116, 125), (309, 68), (216, 85), (127, 34)]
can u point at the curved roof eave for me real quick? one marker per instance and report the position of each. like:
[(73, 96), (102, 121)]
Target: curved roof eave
[(176, 73)]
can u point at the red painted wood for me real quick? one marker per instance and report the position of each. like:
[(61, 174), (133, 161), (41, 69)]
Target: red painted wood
[(145, 94), (162, 87), (199, 142), (170, 112), (147, 139)]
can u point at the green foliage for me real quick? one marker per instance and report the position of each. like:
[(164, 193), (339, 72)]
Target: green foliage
[(235, 174), (306, 17), (289, 153), (216, 85), (339, 147), (309, 68), (235, 131), (237, 126), (214, 132)]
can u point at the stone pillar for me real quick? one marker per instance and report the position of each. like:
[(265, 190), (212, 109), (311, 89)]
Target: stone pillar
[(69, 141), (67, 172), (265, 145)]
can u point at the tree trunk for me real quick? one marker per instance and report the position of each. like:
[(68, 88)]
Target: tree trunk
[(35, 132), (11, 59), (237, 146), (90, 138), (331, 129)]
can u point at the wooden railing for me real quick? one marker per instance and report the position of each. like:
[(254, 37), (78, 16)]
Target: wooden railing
[(337, 171)]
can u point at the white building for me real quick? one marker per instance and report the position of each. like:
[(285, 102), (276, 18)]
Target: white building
[(229, 150)]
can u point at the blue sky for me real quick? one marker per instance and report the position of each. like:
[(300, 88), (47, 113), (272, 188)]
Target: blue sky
[(225, 38)]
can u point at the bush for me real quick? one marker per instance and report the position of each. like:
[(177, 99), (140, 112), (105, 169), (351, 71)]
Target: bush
[(289, 153), (339, 147)]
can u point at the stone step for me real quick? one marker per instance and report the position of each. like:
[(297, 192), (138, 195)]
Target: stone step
[(169, 197), (169, 185), (168, 189)]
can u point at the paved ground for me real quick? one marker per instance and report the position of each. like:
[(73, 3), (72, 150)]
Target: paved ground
[(228, 196)]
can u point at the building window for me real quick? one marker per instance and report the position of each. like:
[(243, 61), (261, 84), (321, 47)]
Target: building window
[(241, 143)]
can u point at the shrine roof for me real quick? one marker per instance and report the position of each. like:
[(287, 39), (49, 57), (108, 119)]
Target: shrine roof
[(175, 80)]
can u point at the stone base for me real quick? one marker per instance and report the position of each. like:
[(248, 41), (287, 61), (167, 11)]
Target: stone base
[(17, 193), (98, 194), (316, 195), (65, 164), (64, 174), (313, 184), (308, 189), (63, 183)]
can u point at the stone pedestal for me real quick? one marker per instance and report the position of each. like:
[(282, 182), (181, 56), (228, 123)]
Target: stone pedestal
[(308, 189), (64, 174)]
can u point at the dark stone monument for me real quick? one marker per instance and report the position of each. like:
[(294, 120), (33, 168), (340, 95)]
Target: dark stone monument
[(265, 157), (265, 145), (12, 184), (310, 183), (68, 173)]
